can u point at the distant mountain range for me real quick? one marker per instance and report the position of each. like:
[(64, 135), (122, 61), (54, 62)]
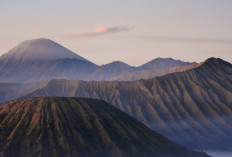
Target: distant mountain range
[(52, 127), (192, 108), (42, 59)]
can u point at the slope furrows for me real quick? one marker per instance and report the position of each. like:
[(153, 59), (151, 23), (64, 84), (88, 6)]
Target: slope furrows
[(77, 127), (192, 108)]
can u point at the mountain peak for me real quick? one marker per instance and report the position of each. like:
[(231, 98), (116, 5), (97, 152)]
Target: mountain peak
[(162, 63), (212, 59), (38, 40), (40, 49), (115, 63), (216, 62)]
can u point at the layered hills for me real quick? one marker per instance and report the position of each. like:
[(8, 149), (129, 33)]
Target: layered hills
[(42, 59), (192, 108), (53, 126)]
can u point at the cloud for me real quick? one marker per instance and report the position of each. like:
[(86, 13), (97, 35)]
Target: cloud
[(185, 39), (99, 31)]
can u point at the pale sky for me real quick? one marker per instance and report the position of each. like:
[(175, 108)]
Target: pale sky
[(133, 31)]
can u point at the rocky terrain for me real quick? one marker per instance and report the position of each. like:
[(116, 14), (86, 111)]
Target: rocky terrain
[(192, 108), (54, 126)]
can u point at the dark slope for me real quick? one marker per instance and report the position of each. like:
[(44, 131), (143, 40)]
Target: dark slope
[(192, 108), (78, 127), (162, 64)]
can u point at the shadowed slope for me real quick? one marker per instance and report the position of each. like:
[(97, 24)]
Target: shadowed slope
[(78, 127), (192, 108)]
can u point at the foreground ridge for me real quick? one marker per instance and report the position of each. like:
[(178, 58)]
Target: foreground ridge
[(56, 126)]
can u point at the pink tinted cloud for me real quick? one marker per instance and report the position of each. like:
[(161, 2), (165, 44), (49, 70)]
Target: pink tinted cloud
[(99, 31)]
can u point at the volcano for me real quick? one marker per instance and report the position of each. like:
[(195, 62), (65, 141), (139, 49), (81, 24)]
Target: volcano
[(56, 126), (42, 59)]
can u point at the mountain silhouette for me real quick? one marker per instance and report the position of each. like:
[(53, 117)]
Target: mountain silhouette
[(40, 49), (42, 59)]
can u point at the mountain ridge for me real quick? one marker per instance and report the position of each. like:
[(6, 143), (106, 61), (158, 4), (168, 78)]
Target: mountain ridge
[(148, 74), (192, 108)]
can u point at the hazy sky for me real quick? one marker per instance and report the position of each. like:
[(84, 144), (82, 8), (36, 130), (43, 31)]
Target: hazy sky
[(133, 31)]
